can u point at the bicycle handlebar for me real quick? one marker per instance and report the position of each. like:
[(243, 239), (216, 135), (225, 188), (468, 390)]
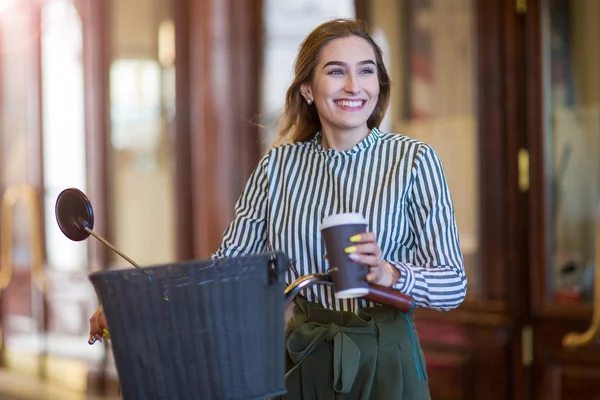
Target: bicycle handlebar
[(378, 294)]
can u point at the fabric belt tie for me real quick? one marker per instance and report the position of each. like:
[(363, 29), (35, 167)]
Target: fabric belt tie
[(346, 354)]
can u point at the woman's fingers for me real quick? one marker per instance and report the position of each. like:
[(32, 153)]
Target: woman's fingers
[(363, 238), (370, 248), (369, 260), (365, 250), (376, 274), (98, 328)]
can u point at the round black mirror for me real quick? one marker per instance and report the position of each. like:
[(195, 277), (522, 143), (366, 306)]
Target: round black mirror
[(74, 213)]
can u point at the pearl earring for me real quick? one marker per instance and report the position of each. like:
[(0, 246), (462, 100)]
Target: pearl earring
[(309, 101)]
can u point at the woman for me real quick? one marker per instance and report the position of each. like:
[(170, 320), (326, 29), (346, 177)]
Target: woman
[(330, 158)]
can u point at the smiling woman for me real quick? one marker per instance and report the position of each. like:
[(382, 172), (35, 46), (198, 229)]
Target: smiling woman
[(331, 158)]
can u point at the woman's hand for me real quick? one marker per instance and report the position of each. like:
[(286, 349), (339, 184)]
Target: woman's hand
[(98, 328), (366, 251)]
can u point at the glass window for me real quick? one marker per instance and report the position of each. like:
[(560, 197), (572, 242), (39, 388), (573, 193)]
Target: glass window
[(62, 124), (572, 136)]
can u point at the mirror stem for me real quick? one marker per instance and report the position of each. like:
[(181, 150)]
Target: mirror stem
[(113, 248)]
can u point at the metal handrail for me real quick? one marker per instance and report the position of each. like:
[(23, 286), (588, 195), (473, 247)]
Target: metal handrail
[(576, 340)]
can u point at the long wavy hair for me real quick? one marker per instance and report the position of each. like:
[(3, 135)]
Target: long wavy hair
[(299, 121)]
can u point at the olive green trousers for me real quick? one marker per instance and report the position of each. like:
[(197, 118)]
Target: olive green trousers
[(372, 355)]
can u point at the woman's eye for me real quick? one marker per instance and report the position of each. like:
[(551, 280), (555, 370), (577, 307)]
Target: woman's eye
[(336, 71), (339, 71)]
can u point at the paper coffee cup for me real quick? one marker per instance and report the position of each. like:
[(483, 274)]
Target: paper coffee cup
[(348, 276)]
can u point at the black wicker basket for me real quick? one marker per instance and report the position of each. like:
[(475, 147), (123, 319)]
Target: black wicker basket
[(209, 329)]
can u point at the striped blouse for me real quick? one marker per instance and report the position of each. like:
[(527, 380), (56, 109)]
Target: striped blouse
[(396, 182)]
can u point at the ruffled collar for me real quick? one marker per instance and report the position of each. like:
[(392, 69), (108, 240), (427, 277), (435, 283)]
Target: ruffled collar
[(364, 144)]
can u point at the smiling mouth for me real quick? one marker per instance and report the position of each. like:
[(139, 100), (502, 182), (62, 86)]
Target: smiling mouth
[(351, 104)]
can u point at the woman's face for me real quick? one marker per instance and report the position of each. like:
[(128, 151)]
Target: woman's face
[(345, 86)]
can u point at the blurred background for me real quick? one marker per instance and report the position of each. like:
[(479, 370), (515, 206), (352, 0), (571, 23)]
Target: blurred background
[(153, 107)]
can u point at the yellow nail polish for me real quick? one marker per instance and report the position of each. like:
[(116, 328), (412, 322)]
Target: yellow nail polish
[(350, 249), (355, 238)]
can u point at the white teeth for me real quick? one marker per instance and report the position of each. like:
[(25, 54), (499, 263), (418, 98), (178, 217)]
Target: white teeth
[(347, 103)]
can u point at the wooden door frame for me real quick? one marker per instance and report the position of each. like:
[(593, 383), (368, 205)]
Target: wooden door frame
[(183, 155), (518, 277), (95, 18)]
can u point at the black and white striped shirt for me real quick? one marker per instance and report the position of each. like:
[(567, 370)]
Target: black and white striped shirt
[(396, 182)]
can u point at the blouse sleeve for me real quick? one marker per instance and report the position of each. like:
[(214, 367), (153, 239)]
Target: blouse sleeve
[(437, 278), (247, 233)]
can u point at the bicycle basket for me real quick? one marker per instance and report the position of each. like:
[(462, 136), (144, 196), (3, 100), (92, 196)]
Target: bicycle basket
[(210, 329)]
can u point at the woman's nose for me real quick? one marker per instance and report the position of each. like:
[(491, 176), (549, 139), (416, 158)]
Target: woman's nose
[(351, 85)]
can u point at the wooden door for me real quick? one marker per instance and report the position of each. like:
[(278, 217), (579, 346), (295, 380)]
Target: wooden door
[(564, 133)]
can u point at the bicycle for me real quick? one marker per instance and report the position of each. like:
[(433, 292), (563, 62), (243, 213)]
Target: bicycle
[(169, 338)]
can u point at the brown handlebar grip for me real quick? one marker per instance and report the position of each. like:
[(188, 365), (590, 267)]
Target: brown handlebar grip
[(390, 297)]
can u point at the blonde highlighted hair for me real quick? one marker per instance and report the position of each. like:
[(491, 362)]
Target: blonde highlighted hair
[(299, 121)]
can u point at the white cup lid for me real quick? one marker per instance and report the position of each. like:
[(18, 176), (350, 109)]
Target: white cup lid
[(343, 219)]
